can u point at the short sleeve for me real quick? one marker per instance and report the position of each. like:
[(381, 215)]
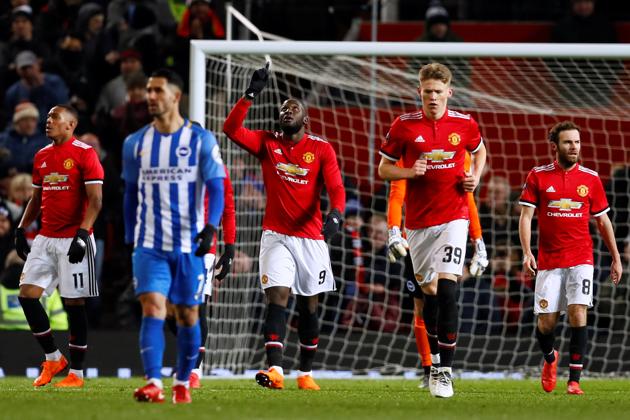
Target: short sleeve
[(210, 161), (599, 202), (92, 169), (530, 195), (392, 147), (130, 163), (37, 177), (474, 139)]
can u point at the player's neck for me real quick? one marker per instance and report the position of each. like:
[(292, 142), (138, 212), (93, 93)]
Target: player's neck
[(434, 116), (295, 137), (59, 141), (168, 123), (567, 166)]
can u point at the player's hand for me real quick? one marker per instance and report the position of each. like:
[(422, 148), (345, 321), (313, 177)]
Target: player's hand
[(615, 272), (479, 261), (529, 264), (470, 182), (332, 224), (419, 168), (225, 262), (204, 240), (21, 244), (396, 244), (78, 246), (258, 82)]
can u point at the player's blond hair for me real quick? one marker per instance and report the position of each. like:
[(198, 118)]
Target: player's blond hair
[(554, 132), (435, 71)]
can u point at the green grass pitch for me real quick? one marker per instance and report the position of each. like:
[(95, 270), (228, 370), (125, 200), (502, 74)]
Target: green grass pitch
[(108, 398)]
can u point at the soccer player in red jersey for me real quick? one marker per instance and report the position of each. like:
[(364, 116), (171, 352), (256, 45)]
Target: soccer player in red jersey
[(566, 195), (293, 252), (67, 191), (432, 144)]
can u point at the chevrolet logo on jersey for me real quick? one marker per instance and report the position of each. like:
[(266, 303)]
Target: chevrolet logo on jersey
[(291, 169), (565, 204), (438, 155), (55, 178)]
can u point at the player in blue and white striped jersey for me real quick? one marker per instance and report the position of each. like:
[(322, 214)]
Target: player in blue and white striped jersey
[(168, 167)]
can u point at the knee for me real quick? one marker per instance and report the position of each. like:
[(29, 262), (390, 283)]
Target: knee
[(187, 316), (430, 289), (546, 325)]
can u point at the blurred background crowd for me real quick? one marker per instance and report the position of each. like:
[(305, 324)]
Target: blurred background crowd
[(96, 55)]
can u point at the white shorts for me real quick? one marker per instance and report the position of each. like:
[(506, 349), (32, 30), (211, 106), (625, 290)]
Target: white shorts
[(299, 263), (438, 249), (560, 287), (47, 266), (208, 262)]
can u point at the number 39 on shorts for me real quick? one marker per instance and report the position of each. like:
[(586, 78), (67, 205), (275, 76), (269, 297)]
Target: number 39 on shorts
[(452, 254)]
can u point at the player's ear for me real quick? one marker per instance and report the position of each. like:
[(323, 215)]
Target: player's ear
[(305, 121), (450, 92)]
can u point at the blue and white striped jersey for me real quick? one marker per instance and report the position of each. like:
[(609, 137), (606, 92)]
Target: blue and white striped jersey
[(170, 171)]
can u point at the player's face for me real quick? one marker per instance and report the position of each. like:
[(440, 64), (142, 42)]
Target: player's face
[(434, 94), (161, 96), (292, 117), (568, 147), (59, 124)]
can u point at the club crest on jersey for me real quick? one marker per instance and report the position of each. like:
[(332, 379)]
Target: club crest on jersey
[(582, 190), (291, 169), (68, 164), (55, 178), (264, 279), (454, 139), (308, 157), (438, 155), (183, 151), (543, 304), (565, 204)]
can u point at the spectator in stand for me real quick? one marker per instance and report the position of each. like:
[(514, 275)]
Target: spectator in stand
[(21, 38), (379, 295), (99, 54), (114, 93), (55, 21), (584, 25), (45, 90), (437, 25), (119, 10), (23, 139), (200, 21), (132, 115), (496, 214), (346, 255), (513, 290), (6, 17)]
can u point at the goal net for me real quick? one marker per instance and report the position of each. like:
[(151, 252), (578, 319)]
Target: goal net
[(353, 91)]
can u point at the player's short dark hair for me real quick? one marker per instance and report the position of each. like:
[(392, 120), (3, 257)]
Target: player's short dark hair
[(435, 71), (554, 133), (171, 77), (70, 110)]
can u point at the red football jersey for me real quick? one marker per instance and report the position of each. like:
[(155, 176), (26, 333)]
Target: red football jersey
[(61, 172), (438, 196), (293, 173), (565, 201)]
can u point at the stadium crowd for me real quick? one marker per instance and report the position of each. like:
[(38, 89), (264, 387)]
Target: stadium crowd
[(95, 55)]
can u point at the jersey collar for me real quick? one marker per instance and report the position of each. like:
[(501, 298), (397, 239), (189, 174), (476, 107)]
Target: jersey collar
[(561, 169)]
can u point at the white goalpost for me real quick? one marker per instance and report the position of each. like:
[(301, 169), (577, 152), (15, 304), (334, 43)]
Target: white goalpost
[(353, 89)]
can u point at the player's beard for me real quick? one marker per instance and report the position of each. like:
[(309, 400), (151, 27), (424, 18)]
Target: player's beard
[(291, 129), (567, 160)]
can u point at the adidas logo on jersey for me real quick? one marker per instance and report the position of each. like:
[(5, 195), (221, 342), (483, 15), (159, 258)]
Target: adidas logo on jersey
[(43, 165), (278, 151), (419, 139), (551, 189)]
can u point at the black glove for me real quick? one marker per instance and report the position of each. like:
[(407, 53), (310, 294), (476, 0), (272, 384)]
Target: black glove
[(332, 224), (21, 244), (258, 82), (204, 240), (225, 262), (77, 246)]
